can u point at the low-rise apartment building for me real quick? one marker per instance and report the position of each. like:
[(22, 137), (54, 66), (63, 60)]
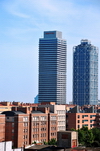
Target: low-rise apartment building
[(60, 110), (26, 125), (78, 120)]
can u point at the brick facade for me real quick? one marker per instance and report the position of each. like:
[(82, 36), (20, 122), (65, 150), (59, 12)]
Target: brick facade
[(28, 125)]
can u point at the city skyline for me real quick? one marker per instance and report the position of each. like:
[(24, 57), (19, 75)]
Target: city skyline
[(22, 23)]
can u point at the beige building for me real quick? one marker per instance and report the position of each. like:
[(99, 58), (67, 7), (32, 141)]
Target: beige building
[(60, 110), (5, 106)]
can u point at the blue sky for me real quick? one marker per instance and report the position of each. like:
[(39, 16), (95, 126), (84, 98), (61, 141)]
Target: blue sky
[(22, 23)]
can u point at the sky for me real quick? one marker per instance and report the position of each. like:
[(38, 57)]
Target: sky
[(22, 23)]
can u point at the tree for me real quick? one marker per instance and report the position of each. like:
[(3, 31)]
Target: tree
[(73, 129), (52, 142), (89, 138), (85, 136), (96, 133), (81, 136)]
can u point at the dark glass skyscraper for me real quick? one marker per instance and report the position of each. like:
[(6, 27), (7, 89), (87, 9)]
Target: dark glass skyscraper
[(85, 74), (52, 68)]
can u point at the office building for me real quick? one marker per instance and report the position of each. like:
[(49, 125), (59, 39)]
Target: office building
[(36, 99), (85, 74), (52, 68)]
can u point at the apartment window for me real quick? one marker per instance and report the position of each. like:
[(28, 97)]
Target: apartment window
[(25, 143), (92, 116), (53, 117), (43, 118), (35, 118), (12, 130), (84, 121), (78, 116), (43, 123), (12, 124), (35, 129), (78, 126), (35, 123), (25, 119), (53, 122), (84, 116), (91, 125), (24, 137), (92, 121), (25, 130), (43, 129), (85, 125), (78, 121), (35, 135), (25, 124)]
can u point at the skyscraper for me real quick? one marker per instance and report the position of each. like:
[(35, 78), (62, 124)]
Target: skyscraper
[(52, 68), (85, 74)]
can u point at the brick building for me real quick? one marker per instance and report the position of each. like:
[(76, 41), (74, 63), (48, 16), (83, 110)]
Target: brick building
[(78, 120), (60, 110), (24, 125), (2, 128)]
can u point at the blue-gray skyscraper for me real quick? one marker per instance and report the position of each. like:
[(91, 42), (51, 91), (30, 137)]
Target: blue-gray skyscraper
[(85, 74), (52, 68)]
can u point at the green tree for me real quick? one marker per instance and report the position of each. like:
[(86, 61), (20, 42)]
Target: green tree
[(85, 136), (52, 142), (73, 129), (89, 138), (81, 136), (96, 134)]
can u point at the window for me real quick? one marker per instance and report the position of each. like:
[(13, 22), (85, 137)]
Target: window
[(43, 123), (43, 118), (53, 117), (35, 118), (12, 124), (78, 126), (25, 124), (84, 121), (25, 119), (92, 121), (92, 116), (78, 121), (85, 125), (12, 130), (78, 116), (84, 116)]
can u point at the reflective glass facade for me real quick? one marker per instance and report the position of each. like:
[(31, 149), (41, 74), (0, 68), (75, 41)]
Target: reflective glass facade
[(85, 74), (52, 68)]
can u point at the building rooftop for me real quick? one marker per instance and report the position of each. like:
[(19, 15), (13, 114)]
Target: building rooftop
[(12, 113), (37, 112)]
